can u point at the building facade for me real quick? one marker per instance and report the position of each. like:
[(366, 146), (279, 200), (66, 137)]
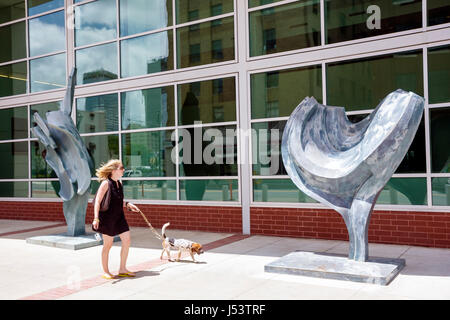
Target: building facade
[(193, 96)]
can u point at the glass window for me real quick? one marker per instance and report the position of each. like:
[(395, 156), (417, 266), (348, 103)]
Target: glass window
[(95, 22), (287, 27), (42, 109), (150, 190), (148, 154), (438, 12), (209, 190), (441, 191), (439, 74), (14, 189), (13, 79), (404, 191), (13, 123), (204, 37), (278, 190), (97, 63), (98, 113), (13, 40), (102, 148), (190, 10), (197, 100), (148, 108), (147, 54), (440, 140), (48, 73), (11, 10), (40, 167), (350, 20), (362, 84), (278, 93), (208, 151), (266, 148), (138, 16), (47, 34), (39, 6), (415, 159), (45, 189), (14, 157), (256, 3)]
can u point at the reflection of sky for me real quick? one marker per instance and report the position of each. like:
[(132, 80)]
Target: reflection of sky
[(39, 6), (142, 15), (95, 59), (145, 108), (47, 34), (48, 73)]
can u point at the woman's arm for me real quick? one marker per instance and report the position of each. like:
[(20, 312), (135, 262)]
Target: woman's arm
[(98, 200)]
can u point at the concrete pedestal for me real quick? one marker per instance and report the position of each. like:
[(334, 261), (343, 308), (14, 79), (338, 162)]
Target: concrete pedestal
[(68, 242)]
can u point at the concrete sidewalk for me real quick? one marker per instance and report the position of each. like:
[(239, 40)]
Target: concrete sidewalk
[(231, 268)]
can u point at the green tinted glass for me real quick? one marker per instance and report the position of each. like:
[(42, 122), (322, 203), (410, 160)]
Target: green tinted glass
[(277, 93), (13, 79), (278, 190), (362, 84), (148, 108), (13, 123), (102, 148), (14, 157), (441, 191), (11, 10), (207, 101), (404, 191), (287, 27), (40, 167), (42, 110), (48, 73), (191, 10), (98, 113), (204, 43), (47, 34), (147, 54), (440, 140), (415, 159), (14, 189), (45, 189), (39, 6), (438, 12), (150, 190), (439, 74), (209, 190), (13, 40), (97, 64), (148, 154), (256, 3)]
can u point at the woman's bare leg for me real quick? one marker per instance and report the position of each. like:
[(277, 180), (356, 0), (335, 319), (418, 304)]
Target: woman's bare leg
[(107, 244), (126, 242)]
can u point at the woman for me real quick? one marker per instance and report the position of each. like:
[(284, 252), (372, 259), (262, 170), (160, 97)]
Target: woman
[(112, 222)]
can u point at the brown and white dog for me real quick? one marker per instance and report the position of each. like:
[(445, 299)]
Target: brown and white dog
[(180, 244)]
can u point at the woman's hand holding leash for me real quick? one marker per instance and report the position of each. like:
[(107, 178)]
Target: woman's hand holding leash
[(132, 207)]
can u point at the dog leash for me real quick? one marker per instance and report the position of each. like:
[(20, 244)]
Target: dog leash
[(150, 225)]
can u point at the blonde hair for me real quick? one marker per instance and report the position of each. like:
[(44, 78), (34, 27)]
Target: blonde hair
[(105, 170)]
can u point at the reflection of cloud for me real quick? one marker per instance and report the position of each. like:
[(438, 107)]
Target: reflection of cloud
[(47, 34), (102, 57), (142, 15), (48, 73)]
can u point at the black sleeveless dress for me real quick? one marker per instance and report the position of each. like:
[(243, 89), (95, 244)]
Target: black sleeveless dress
[(112, 221)]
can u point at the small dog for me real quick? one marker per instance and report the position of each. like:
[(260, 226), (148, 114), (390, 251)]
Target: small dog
[(180, 244)]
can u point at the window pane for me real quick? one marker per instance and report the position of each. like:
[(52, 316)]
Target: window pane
[(441, 191), (439, 74), (102, 149), (148, 108), (440, 140), (147, 54), (362, 84), (190, 10), (209, 190), (438, 12), (39, 6), (13, 123), (48, 73), (13, 79), (98, 113), (95, 22), (138, 16), (40, 167), (208, 151), (47, 34), (278, 190), (97, 63), (207, 101), (278, 93), (12, 10), (349, 19), (42, 109), (148, 154), (45, 189), (150, 190), (256, 3), (195, 43), (14, 157), (404, 191), (287, 27), (13, 42), (266, 148), (14, 189), (415, 159)]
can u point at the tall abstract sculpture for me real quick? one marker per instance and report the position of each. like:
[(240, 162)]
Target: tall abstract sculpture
[(345, 165), (67, 155)]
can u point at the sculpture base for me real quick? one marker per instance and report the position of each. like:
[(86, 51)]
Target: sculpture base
[(334, 266), (68, 242)]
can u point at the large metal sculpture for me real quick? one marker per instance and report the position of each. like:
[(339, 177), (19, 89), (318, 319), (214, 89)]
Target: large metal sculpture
[(345, 165), (67, 155)]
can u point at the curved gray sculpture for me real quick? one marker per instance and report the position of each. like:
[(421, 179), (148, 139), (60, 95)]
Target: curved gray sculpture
[(345, 165), (67, 155)]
